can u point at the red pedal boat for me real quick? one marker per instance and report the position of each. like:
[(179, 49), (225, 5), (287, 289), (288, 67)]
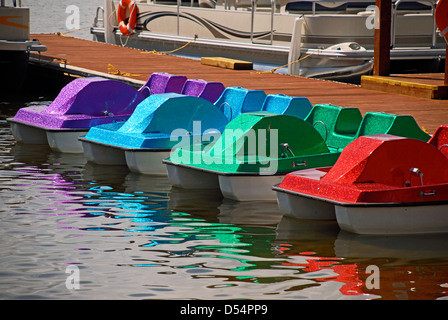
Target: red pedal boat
[(381, 184)]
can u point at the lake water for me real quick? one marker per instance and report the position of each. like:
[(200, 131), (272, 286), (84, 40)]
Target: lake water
[(52, 16), (131, 236)]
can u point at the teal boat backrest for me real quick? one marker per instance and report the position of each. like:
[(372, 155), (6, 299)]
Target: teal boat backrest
[(282, 104), (337, 125), (386, 123), (237, 100)]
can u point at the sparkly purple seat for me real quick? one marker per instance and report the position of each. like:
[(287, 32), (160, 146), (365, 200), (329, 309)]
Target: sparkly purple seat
[(84, 103), (210, 91), (161, 82)]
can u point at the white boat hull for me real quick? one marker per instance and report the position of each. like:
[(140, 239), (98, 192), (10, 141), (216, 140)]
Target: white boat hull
[(147, 162), (417, 219), (295, 206), (58, 140), (65, 141), (28, 134), (189, 178), (274, 37), (249, 188), (103, 154)]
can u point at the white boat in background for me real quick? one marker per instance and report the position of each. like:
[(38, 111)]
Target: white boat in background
[(333, 39), (15, 44)]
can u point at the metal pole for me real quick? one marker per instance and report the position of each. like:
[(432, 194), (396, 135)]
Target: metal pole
[(272, 20), (252, 17), (394, 22), (178, 14), (434, 25)]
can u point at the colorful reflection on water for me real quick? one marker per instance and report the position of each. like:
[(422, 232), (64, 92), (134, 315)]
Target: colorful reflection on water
[(135, 237)]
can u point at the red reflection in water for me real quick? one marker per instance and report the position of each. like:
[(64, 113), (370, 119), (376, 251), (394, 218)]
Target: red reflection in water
[(347, 274)]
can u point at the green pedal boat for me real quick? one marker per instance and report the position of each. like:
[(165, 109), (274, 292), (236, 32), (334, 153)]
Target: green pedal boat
[(256, 150)]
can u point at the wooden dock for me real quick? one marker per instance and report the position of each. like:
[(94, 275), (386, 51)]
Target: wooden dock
[(88, 58)]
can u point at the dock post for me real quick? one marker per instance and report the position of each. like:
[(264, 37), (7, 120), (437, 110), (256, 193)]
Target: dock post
[(381, 60), (446, 66)]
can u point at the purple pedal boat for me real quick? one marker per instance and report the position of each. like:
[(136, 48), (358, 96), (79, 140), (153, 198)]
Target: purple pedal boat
[(81, 104)]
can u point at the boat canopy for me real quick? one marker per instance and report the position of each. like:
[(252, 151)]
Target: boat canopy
[(95, 97), (301, 138), (152, 123), (155, 114), (390, 161), (260, 142)]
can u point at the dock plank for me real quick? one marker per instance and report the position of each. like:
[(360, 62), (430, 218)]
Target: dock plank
[(429, 86), (429, 113)]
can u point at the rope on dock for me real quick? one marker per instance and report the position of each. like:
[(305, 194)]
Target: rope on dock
[(172, 51), (41, 61), (115, 71), (288, 64), (64, 34)]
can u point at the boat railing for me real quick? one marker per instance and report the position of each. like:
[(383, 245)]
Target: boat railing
[(225, 103), (395, 12), (399, 7), (325, 128), (443, 146), (418, 172), (97, 19), (253, 9), (15, 3), (285, 148)]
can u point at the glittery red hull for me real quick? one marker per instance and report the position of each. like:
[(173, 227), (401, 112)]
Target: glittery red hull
[(379, 169)]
